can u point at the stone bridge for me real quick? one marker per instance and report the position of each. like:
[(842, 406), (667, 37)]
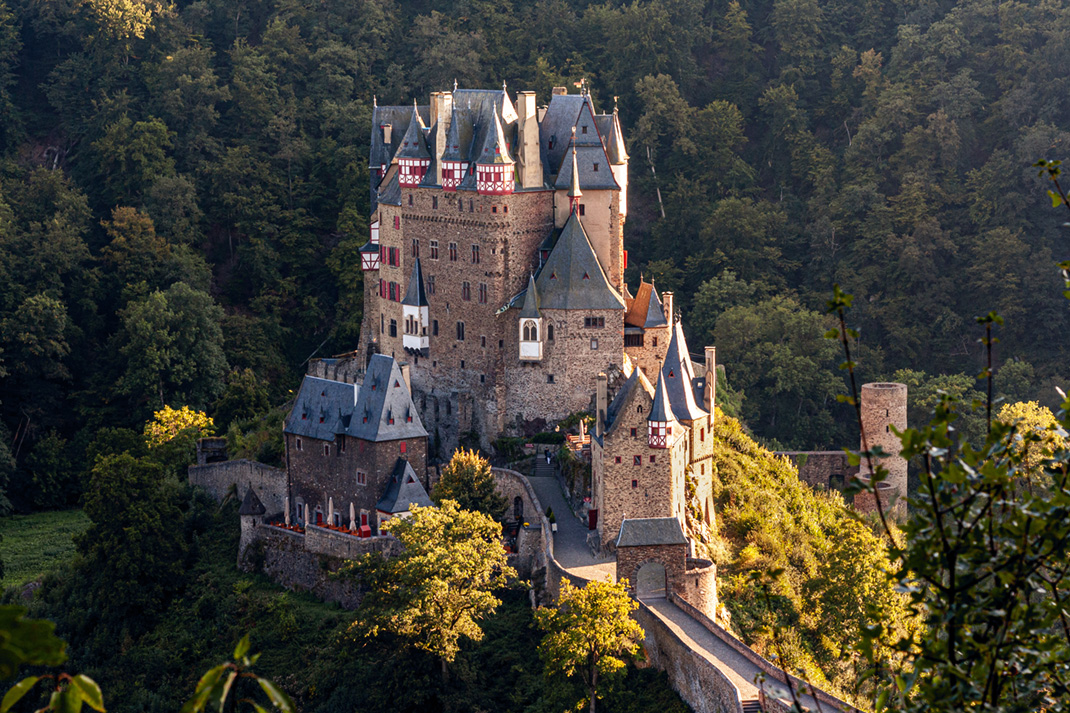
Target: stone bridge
[(713, 671)]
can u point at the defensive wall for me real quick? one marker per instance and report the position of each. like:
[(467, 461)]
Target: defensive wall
[(239, 476), (822, 469)]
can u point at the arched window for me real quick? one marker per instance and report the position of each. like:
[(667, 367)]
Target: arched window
[(531, 331), (550, 332)]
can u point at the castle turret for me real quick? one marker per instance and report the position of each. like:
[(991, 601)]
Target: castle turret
[(530, 325), (618, 159), (415, 313), (495, 167), (659, 423), (574, 192), (454, 161), (413, 157), (884, 407)]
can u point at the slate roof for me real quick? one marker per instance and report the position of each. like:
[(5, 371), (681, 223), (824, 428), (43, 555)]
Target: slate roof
[(574, 190), (637, 380), (251, 504), (660, 410), (495, 147), (530, 310), (645, 309), (637, 532), (458, 138), (572, 277), (594, 170), (325, 408), (403, 491), (389, 189), (414, 293), (679, 375), (413, 144), (556, 127), (382, 152), (614, 140)]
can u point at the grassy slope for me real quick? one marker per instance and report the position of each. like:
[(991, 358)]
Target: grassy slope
[(35, 544), (768, 519), (305, 649)]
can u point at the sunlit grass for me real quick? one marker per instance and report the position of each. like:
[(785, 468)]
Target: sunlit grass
[(35, 544)]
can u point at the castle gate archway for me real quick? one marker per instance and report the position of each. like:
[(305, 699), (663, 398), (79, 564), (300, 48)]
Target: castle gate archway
[(650, 581)]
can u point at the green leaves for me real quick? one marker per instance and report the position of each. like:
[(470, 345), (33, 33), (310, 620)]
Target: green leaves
[(15, 694), (220, 683), (88, 691), (69, 695), (27, 641)]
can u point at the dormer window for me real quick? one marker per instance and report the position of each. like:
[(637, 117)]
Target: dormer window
[(583, 129)]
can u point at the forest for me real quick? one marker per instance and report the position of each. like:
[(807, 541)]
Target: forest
[(183, 190)]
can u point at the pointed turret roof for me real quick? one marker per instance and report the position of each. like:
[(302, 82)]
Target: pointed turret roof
[(679, 376), (661, 410), (251, 504), (414, 294), (572, 277), (615, 142), (458, 138), (645, 310), (403, 491), (495, 148), (413, 144), (530, 310), (574, 185), (637, 381)]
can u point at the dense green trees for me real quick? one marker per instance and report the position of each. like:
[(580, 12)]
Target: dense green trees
[(883, 145)]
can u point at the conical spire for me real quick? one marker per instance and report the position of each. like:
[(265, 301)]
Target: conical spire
[(615, 150), (661, 411), (452, 150), (530, 310), (414, 294), (574, 192), (679, 374), (495, 148), (413, 144)]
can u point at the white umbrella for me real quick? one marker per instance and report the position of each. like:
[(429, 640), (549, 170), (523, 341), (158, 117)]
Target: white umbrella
[(352, 517), (286, 508), (330, 511), (306, 515)]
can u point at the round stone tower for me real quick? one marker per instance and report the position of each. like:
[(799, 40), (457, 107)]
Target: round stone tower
[(884, 406)]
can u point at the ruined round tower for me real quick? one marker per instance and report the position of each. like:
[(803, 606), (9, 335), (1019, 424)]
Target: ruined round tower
[(884, 406)]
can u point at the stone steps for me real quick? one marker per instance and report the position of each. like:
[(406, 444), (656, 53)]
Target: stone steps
[(752, 706)]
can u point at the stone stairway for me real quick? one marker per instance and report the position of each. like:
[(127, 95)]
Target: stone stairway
[(542, 469), (752, 706)]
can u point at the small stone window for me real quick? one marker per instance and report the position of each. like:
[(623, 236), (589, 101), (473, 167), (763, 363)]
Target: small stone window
[(326, 449), (299, 445), (549, 378), (635, 433), (652, 459), (362, 478), (655, 341), (637, 460), (582, 212), (434, 329), (483, 341), (434, 202), (635, 483), (550, 332), (594, 345), (410, 199)]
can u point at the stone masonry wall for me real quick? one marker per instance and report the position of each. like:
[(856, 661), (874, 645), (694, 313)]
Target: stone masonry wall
[(218, 478), (651, 355), (630, 559), (316, 477), (698, 586), (884, 406), (698, 682), (825, 469)]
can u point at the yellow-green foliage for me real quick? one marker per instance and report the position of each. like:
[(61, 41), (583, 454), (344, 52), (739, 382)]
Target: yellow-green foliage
[(833, 562), (168, 423)]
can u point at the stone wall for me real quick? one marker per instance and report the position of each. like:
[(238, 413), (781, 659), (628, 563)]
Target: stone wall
[(218, 479), (281, 555), (771, 670), (698, 585), (698, 681), (317, 475), (884, 406), (822, 469), (321, 541), (348, 369), (630, 559), (866, 502)]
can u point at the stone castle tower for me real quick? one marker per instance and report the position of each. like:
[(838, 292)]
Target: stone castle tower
[(496, 262), (884, 407)]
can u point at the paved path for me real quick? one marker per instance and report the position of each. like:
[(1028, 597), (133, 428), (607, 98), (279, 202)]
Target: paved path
[(572, 553)]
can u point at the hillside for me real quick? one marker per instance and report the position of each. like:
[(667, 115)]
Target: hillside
[(768, 519), (152, 666)]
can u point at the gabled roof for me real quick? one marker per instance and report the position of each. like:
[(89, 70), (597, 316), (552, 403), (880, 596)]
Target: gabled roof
[(389, 189), (495, 147), (382, 151), (556, 128), (378, 410), (572, 277), (403, 491), (251, 504), (679, 375), (645, 310), (637, 380), (637, 532), (386, 404), (593, 167), (530, 310), (660, 410), (414, 293), (413, 144)]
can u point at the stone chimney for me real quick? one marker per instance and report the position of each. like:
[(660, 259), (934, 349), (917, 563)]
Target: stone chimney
[(388, 132), (530, 169), (709, 395), (601, 405), (441, 111), (559, 91), (405, 376), (666, 302)]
